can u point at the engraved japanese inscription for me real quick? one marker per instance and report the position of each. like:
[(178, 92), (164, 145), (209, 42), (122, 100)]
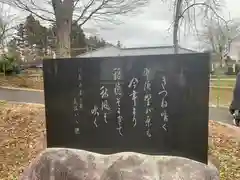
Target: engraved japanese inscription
[(150, 104)]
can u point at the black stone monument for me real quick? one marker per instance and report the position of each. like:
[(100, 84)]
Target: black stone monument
[(154, 104)]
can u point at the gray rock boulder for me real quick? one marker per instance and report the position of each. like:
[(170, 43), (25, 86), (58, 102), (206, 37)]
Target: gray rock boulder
[(72, 164)]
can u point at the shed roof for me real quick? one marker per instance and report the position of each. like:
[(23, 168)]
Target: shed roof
[(110, 51)]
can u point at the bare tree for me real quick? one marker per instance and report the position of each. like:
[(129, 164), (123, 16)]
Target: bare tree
[(218, 37), (66, 12), (187, 11), (6, 25)]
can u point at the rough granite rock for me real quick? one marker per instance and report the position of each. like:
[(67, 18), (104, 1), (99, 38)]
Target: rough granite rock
[(72, 164)]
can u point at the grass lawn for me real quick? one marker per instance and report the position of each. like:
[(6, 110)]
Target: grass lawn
[(22, 133), (222, 83), (224, 95), (222, 76)]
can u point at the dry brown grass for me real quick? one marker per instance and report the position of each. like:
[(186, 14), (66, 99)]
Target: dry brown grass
[(24, 81), (22, 133), (22, 137), (225, 145)]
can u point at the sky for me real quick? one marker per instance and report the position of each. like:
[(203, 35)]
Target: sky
[(152, 27)]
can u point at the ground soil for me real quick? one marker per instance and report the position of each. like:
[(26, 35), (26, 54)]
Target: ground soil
[(23, 136)]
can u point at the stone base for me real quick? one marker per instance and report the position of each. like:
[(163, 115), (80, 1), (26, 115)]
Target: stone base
[(72, 164)]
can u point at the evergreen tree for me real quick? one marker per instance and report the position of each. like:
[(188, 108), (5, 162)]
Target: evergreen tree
[(95, 42), (119, 44), (20, 40), (33, 39), (20, 35), (13, 50), (78, 43), (36, 34)]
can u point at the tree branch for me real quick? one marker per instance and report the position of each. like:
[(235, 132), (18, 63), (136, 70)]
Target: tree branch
[(176, 24), (92, 13), (31, 7), (202, 4), (219, 37), (185, 9), (106, 9)]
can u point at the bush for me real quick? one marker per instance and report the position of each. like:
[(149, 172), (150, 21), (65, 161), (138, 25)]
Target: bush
[(8, 65)]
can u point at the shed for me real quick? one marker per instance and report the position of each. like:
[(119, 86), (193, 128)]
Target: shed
[(112, 51), (109, 51)]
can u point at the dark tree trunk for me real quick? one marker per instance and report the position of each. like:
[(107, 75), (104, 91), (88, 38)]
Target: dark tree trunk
[(63, 39), (176, 25), (63, 13)]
